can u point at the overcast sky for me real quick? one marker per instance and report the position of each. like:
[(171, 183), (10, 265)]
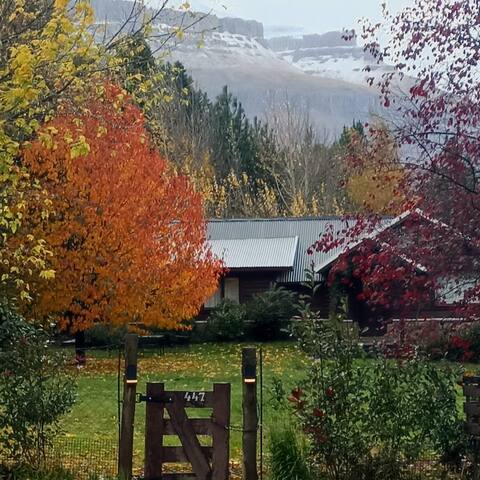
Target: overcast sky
[(305, 16)]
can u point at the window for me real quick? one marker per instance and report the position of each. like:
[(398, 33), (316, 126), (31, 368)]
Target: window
[(452, 289), (228, 289), (232, 289), (215, 299)]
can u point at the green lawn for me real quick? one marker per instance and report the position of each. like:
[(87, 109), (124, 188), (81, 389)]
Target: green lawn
[(195, 367)]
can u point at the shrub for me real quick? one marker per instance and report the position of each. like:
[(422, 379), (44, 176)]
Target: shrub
[(101, 335), (227, 321), (331, 404), (35, 390), (288, 453), (451, 341), (473, 335), (365, 418), (464, 344), (28, 473), (268, 310)]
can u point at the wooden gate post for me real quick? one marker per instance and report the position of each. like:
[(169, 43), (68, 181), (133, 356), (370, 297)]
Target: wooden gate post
[(250, 419), (125, 453)]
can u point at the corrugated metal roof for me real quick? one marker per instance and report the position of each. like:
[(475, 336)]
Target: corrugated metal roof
[(375, 230), (308, 231), (264, 253)]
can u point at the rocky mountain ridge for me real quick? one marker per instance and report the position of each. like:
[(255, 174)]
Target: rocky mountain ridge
[(117, 11), (320, 74)]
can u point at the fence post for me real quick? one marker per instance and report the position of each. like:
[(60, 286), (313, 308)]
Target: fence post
[(471, 391), (154, 430), (125, 454), (250, 419)]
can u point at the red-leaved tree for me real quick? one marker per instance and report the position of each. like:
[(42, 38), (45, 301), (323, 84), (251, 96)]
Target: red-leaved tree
[(430, 256)]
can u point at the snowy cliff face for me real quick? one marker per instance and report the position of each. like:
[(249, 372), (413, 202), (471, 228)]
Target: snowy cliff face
[(329, 56), (263, 80), (322, 74)]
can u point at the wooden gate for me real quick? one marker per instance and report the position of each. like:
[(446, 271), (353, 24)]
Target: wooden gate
[(207, 462)]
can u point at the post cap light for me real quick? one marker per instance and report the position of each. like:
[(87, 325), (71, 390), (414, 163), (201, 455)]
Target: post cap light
[(131, 374), (250, 374)]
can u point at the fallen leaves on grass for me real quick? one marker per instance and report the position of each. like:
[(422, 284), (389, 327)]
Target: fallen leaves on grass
[(206, 360)]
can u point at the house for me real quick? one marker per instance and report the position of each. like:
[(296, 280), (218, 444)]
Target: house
[(262, 253)]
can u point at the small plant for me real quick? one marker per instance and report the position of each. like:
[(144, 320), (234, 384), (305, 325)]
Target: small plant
[(227, 321), (278, 394), (268, 310), (35, 390), (288, 453)]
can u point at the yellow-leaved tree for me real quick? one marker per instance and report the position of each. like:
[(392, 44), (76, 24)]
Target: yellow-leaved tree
[(46, 53), (374, 173)]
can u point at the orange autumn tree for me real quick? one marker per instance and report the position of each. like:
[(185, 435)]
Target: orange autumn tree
[(128, 234)]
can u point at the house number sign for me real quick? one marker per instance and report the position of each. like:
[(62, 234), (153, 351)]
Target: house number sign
[(194, 397)]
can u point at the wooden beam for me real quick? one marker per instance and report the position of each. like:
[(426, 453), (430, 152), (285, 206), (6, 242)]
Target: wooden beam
[(190, 442), (220, 431), (199, 399), (179, 454), (201, 426), (471, 390), (154, 430), (125, 455)]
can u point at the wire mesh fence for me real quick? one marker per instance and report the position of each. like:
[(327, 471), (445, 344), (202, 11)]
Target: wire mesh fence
[(86, 459)]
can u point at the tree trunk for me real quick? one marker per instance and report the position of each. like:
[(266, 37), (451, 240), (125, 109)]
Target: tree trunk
[(80, 353)]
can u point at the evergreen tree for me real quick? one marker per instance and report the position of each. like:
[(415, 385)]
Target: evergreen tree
[(237, 143), (345, 137)]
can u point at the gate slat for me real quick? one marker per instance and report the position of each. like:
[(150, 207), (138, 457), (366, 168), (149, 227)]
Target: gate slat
[(177, 454), (471, 390), (220, 431), (473, 429), (201, 426), (191, 445), (179, 397), (472, 408)]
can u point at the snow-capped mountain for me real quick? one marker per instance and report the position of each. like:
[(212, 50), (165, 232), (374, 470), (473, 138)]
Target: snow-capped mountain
[(263, 81), (320, 73), (328, 55)]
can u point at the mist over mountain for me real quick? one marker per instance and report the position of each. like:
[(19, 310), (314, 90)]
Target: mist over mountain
[(321, 74)]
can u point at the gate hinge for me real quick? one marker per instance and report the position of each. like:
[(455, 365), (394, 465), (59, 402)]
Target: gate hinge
[(154, 399)]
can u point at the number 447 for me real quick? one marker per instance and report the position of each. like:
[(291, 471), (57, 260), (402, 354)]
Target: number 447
[(194, 397)]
